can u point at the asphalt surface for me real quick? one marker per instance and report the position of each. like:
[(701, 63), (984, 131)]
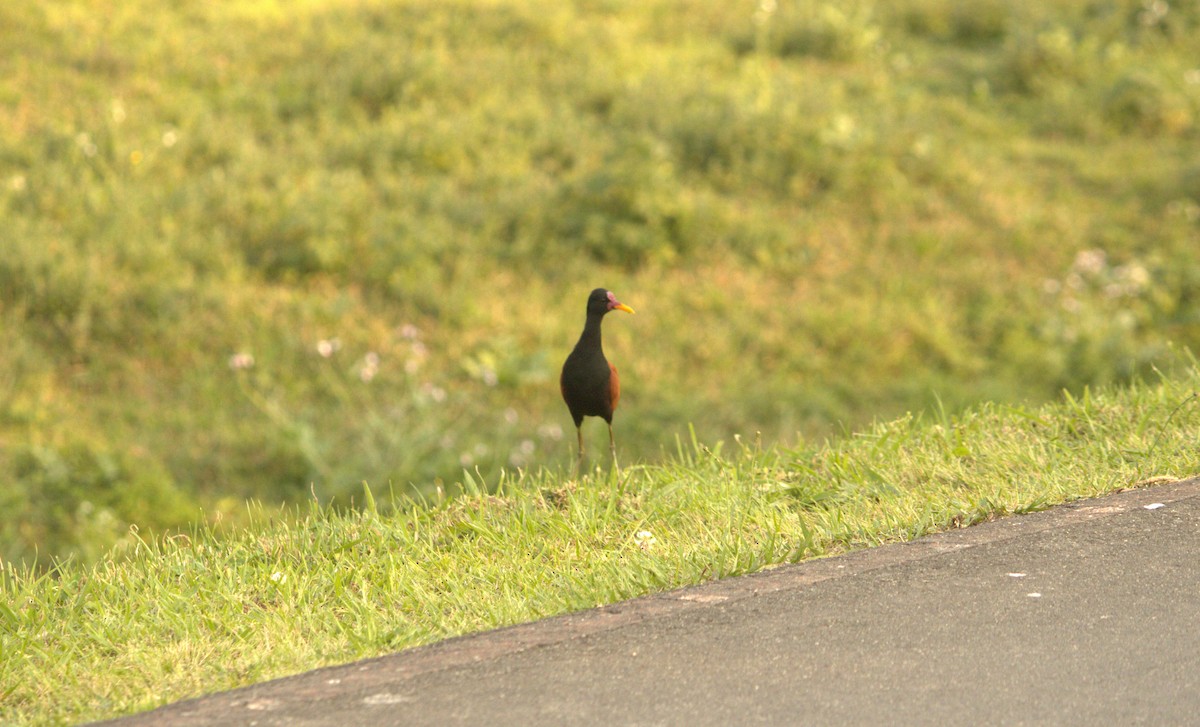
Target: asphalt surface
[(1084, 614)]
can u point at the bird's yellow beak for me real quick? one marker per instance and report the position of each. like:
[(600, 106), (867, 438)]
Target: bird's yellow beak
[(622, 306)]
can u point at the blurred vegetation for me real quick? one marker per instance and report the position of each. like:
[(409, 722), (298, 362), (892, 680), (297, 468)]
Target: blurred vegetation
[(262, 250)]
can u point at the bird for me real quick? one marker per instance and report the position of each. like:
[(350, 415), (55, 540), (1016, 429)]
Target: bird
[(589, 383)]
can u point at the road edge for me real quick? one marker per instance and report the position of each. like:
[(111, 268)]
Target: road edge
[(369, 675)]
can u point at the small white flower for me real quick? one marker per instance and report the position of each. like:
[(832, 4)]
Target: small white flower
[(85, 143), (327, 347), (764, 11), (169, 137), (279, 577), (1090, 261), (240, 361), (644, 539), (521, 454), (1137, 275), (370, 367), (1155, 11)]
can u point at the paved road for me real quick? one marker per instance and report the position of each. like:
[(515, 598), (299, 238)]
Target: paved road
[(1085, 614)]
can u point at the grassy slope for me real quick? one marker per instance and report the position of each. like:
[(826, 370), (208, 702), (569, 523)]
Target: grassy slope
[(826, 214), (194, 613)]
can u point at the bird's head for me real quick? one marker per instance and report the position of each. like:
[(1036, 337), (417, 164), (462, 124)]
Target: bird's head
[(602, 301)]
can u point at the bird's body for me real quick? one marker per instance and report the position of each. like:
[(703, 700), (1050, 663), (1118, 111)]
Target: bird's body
[(589, 383)]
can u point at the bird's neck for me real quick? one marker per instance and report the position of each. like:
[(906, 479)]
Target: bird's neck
[(591, 332)]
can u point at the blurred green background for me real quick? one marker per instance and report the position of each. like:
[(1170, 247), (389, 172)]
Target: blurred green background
[(260, 249)]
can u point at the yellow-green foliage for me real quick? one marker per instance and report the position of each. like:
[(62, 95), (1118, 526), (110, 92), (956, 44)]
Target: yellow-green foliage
[(197, 612), (256, 249)]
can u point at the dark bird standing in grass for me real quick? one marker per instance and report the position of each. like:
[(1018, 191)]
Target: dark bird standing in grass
[(589, 382)]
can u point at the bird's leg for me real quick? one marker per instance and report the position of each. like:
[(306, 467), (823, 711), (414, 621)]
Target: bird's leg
[(579, 461), (612, 447)]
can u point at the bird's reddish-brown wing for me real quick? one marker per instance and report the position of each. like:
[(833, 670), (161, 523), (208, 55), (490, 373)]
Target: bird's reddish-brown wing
[(614, 387)]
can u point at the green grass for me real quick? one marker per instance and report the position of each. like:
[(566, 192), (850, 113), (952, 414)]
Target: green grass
[(825, 214), (180, 615), (257, 252)]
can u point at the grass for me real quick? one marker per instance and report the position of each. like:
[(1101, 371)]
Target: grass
[(194, 612), (254, 251), (264, 253)]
